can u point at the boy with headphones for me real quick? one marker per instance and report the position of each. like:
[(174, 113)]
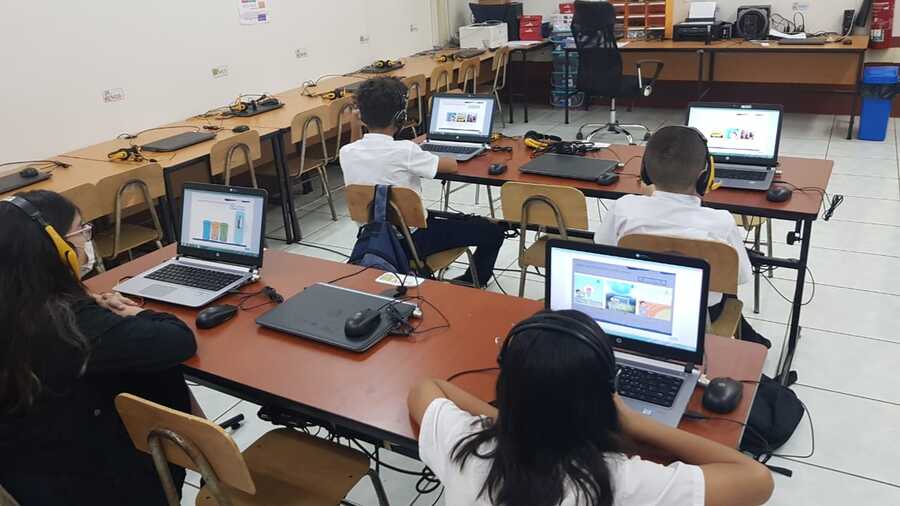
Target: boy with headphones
[(677, 164), (378, 159)]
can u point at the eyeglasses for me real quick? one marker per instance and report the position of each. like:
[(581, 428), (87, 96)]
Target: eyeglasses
[(86, 232)]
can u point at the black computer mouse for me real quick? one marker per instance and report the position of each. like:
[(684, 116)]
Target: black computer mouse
[(240, 128), (215, 315), (723, 395), (29, 172), (779, 193), (495, 169), (608, 178), (362, 324)]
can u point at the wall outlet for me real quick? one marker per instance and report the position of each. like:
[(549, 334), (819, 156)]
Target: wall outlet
[(301, 53), (113, 95), (220, 71), (413, 28), (364, 39)]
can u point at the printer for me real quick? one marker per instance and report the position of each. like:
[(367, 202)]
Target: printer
[(701, 24), (487, 35)]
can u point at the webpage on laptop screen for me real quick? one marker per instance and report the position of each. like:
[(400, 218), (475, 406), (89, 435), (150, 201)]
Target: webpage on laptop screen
[(646, 301), (750, 133), (222, 222), (461, 116)]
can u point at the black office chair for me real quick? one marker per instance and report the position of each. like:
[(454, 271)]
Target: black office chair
[(600, 67)]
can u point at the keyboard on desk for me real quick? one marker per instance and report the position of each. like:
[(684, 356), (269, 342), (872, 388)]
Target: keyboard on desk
[(194, 277), (448, 148), (743, 175), (649, 386)]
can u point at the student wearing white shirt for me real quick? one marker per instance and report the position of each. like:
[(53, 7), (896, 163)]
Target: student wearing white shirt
[(379, 159), (674, 158), (558, 435)]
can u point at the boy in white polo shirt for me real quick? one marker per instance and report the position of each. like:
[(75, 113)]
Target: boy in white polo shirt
[(379, 159), (674, 158)]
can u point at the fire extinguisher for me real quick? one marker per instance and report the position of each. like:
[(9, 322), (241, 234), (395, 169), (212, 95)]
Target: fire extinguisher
[(880, 31)]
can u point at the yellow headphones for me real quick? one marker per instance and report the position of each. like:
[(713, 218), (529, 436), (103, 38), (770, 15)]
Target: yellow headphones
[(334, 94), (443, 58), (380, 64), (132, 153), (66, 254)]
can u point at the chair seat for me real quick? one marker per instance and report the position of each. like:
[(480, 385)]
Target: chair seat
[(729, 320), (291, 468), (628, 87), (130, 237), (443, 259), (535, 255)]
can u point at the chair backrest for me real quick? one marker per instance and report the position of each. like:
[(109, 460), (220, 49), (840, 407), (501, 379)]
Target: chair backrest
[(342, 117), (442, 77), (85, 197), (599, 60), (142, 417), (721, 257), (406, 204), (126, 191), (302, 127), (243, 148), (468, 73), (499, 66), (417, 86), (562, 207)]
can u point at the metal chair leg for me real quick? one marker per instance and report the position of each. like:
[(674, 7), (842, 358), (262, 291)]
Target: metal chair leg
[(491, 201), (756, 270), (477, 194), (770, 245), (323, 174), (446, 195), (522, 276)]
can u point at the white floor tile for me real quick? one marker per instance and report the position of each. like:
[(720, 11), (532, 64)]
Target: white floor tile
[(341, 233), (312, 251), (862, 149), (213, 403), (534, 286), (868, 210), (843, 235), (807, 126), (812, 485), (314, 221), (803, 147), (864, 186), (875, 273), (863, 167)]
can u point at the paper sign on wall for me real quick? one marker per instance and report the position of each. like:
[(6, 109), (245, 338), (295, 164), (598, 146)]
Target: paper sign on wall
[(253, 12)]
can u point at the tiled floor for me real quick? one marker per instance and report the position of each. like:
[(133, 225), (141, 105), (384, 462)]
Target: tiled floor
[(850, 345)]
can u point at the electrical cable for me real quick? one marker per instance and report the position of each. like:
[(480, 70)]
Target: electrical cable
[(380, 463), (336, 252), (129, 136), (833, 201), (471, 371), (53, 162)]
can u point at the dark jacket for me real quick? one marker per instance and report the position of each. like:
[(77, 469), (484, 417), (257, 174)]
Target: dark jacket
[(71, 448)]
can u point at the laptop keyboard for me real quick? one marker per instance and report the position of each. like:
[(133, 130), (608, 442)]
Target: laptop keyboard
[(446, 148), (193, 277), (649, 386), (743, 175)]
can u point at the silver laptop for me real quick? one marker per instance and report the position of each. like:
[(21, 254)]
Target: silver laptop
[(220, 248), (743, 139), (652, 305), (461, 125)]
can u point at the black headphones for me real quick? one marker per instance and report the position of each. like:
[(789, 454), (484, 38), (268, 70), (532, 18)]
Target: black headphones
[(706, 181), (571, 327)]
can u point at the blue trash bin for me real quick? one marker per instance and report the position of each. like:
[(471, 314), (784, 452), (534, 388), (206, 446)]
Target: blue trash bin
[(878, 82)]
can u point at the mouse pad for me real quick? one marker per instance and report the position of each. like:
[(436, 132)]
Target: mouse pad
[(320, 311)]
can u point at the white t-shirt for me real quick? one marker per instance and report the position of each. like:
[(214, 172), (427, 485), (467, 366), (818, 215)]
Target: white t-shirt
[(379, 159), (674, 215), (635, 482)]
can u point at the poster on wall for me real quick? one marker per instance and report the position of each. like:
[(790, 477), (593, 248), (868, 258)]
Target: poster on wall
[(253, 12)]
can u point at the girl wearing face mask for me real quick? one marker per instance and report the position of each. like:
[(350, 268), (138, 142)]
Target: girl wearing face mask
[(64, 355)]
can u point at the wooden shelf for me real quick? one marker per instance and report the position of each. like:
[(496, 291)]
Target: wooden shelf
[(634, 19)]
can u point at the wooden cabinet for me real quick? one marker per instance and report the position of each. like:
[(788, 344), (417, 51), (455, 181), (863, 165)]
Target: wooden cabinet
[(644, 19)]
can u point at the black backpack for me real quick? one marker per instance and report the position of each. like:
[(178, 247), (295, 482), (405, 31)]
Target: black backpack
[(377, 243), (773, 419)]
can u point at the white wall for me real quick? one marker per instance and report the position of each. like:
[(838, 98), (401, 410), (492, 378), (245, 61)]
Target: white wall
[(58, 56)]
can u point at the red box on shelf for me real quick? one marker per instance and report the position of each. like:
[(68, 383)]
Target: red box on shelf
[(530, 21), (530, 33), (567, 8)]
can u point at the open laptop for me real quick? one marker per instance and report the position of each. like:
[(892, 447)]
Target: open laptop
[(461, 125), (653, 307), (220, 248), (743, 139)]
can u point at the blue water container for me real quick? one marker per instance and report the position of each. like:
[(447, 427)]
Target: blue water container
[(876, 112)]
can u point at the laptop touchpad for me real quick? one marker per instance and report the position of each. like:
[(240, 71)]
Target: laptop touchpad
[(158, 290)]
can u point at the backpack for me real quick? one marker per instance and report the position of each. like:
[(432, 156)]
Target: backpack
[(773, 419), (377, 243)]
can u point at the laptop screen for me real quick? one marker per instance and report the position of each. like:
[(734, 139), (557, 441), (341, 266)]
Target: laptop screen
[(652, 304), (465, 118), (738, 133), (222, 222)]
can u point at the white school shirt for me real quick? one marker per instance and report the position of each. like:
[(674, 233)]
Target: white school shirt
[(379, 159), (674, 215), (635, 482)]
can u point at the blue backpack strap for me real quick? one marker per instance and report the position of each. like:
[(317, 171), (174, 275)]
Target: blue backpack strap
[(380, 203)]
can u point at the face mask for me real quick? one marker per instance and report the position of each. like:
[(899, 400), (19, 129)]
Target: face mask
[(88, 266)]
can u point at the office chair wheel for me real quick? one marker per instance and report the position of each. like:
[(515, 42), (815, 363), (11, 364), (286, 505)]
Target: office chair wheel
[(647, 136), (579, 136)]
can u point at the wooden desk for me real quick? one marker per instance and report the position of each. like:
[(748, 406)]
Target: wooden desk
[(802, 208), (830, 68), (366, 393)]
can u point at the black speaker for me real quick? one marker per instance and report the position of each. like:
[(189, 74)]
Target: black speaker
[(847, 24), (506, 13), (753, 22)]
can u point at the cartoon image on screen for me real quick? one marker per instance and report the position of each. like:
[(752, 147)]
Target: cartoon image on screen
[(589, 291)]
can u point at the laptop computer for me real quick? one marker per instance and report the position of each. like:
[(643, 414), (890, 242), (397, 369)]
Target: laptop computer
[(220, 248), (743, 139), (176, 142), (461, 125), (569, 166), (653, 307)]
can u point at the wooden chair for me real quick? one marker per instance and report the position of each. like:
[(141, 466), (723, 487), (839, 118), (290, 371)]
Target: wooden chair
[(221, 156), (468, 73), (6, 499), (341, 115), (406, 211), (123, 192), (723, 271), (442, 78), (754, 224), (417, 86), (561, 207), (284, 466), (499, 66), (300, 137)]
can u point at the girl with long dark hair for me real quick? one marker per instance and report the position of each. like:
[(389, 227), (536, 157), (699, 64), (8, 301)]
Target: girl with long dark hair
[(558, 434), (64, 355)]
